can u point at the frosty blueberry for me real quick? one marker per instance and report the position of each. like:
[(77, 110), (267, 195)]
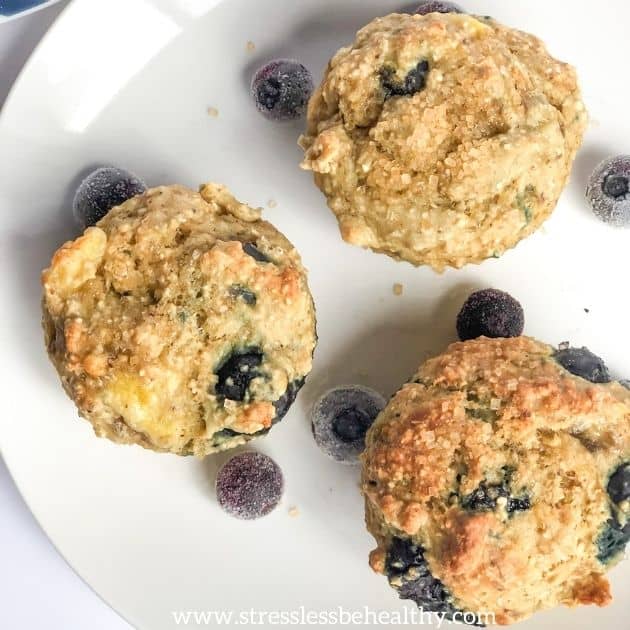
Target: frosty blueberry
[(438, 6), (490, 313), (102, 190), (340, 419), (608, 191), (281, 89), (582, 362), (249, 485)]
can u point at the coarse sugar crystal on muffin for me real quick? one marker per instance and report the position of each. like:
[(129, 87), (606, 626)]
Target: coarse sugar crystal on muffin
[(498, 481), (443, 139), (181, 321)]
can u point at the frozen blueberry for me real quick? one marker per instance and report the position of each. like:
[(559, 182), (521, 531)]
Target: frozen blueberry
[(249, 485), (490, 313), (281, 89), (438, 6), (414, 82), (283, 404), (619, 484), (102, 190), (235, 374), (608, 191), (340, 419), (582, 362)]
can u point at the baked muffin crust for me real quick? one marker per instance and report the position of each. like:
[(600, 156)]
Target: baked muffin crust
[(181, 322), (443, 139), (494, 463)]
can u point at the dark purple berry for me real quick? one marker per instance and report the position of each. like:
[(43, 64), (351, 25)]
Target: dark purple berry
[(281, 89), (582, 362), (351, 425), (485, 497), (251, 250), (236, 373), (341, 418), (619, 484), (283, 404), (438, 6), (102, 190), (608, 191), (408, 572), (490, 313), (414, 82), (249, 485)]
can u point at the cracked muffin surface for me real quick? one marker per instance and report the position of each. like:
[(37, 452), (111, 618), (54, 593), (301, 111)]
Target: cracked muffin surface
[(443, 139), (497, 481), (181, 322)]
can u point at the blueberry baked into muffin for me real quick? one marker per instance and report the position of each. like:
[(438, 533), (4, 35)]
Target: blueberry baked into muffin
[(499, 481), (443, 139), (181, 322)]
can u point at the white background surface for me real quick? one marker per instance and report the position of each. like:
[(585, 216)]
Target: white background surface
[(38, 590), (144, 528)]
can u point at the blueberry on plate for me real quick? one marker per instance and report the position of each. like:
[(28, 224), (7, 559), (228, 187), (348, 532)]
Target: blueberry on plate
[(249, 485), (102, 190), (582, 362), (281, 89), (438, 6), (608, 191), (490, 313), (340, 419)]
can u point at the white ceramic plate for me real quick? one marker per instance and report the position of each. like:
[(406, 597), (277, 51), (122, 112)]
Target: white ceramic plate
[(129, 82)]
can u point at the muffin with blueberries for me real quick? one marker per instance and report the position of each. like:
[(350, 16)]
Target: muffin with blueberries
[(181, 321), (443, 139), (498, 480)]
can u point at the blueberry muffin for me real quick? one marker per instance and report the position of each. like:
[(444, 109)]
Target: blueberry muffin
[(181, 322), (498, 481), (443, 139)]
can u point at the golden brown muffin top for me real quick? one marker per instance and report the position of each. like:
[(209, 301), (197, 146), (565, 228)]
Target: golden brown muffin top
[(144, 310), (443, 139), (495, 460)]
